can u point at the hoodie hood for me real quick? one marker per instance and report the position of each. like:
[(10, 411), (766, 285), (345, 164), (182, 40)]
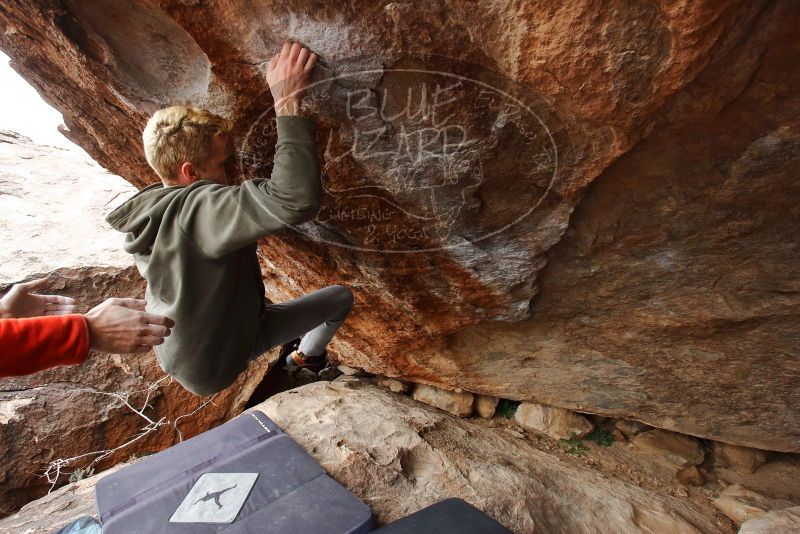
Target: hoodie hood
[(140, 216)]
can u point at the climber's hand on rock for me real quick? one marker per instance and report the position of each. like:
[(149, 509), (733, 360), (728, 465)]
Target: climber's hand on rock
[(287, 75), (20, 302), (120, 326)]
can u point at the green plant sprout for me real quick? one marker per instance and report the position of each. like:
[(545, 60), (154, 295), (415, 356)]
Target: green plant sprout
[(574, 445), (602, 437), (81, 473)]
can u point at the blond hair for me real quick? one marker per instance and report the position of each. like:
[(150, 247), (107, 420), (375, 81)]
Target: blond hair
[(178, 134)]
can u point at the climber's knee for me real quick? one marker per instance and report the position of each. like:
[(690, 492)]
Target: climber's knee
[(344, 297)]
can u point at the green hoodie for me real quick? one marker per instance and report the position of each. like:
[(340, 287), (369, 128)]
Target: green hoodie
[(196, 247)]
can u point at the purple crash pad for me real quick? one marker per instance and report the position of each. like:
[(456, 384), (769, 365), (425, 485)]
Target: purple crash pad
[(246, 470)]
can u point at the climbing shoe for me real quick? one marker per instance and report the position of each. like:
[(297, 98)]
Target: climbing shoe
[(287, 349), (297, 360)]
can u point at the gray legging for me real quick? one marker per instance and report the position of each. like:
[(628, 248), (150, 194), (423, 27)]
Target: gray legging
[(318, 315)]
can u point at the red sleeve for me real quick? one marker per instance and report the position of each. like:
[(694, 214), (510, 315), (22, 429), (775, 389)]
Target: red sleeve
[(30, 345)]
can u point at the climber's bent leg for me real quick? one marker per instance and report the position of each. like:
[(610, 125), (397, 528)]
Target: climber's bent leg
[(314, 317)]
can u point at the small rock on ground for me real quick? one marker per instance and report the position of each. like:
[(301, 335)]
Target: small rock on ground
[(329, 373), (778, 521), (630, 428), (450, 401), (691, 476), (558, 423), (681, 449), (740, 459), (742, 504), (393, 384), (485, 405), (350, 371)]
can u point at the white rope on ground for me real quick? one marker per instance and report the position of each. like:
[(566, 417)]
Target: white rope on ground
[(175, 424), (55, 467)]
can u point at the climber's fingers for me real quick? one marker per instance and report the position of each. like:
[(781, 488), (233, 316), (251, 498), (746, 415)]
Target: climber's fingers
[(162, 320), (58, 300), (302, 57), (294, 52), (58, 305), (155, 331), (287, 47), (311, 63)]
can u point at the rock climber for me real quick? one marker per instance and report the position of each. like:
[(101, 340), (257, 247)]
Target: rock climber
[(42, 331), (193, 237)]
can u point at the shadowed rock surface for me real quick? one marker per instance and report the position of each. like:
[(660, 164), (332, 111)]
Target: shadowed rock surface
[(607, 205)]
